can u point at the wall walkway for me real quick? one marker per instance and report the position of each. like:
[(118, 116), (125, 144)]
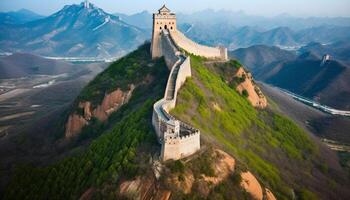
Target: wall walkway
[(177, 138)]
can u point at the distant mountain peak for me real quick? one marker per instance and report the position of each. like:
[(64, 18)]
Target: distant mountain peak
[(86, 4)]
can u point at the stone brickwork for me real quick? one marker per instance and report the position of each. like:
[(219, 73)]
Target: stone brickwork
[(197, 49), (178, 139)]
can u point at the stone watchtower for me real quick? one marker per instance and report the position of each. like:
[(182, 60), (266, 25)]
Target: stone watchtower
[(164, 19)]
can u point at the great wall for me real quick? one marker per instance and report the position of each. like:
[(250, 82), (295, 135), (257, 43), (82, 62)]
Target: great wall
[(177, 138)]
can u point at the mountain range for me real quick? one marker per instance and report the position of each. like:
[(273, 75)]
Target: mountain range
[(76, 30), (241, 37), (18, 17), (302, 72), (240, 19)]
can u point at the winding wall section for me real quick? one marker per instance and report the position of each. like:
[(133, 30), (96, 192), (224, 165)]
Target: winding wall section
[(178, 139)]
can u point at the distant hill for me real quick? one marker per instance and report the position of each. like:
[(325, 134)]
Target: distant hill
[(328, 84), (241, 19), (339, 50), (258, 57), (235, 37), (142, 19), (18, 17), (303, 74), (73, 31), (21, 65)]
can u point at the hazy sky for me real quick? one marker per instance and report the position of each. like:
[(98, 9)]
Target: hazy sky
[(257, 7)]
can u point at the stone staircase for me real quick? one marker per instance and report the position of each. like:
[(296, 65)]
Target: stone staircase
[(172, 82)]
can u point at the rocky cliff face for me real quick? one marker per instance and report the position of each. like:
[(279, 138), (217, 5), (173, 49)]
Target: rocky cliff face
[(110, 103), (253, 92), (146, 188)]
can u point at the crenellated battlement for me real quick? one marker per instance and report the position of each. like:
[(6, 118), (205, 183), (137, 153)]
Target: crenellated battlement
[(177, 138)]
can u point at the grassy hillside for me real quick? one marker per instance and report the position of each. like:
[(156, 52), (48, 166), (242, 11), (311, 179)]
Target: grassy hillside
[(113, 154), (268, 144)]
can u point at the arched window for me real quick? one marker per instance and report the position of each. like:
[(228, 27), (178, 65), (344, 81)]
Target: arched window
[(165, 27), (160, 28), (171, 28)]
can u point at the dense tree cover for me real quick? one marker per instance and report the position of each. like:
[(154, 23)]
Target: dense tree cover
[(108, 157), (270, 145), (112, 155)]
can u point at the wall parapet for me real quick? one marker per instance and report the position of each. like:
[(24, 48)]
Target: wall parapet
[(177, 138), (173, 134), (197, 49)]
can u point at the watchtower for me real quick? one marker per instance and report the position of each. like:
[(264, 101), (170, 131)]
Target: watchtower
[(164, 19)]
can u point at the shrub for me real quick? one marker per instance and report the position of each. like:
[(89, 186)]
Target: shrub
[(176, 167), (245, 93)]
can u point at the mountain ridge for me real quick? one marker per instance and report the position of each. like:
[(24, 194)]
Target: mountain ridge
[(73, 31), (18, 17), (302, 74)]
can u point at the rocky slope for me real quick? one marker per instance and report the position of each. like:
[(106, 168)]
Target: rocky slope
[(240, 79), (110, 103), (188, 180), (110, 90), (249, 88)]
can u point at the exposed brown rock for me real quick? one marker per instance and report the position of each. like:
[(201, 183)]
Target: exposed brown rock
[(87, 195), (251, 185), (143, 188), (255, 96), (110, 103), (269, 195), (74, 125), (148, 188), (184, 185), (223, 167), (86, 106)]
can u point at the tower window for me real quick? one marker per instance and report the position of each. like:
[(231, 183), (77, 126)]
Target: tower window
[(160, 28), (171, 28)]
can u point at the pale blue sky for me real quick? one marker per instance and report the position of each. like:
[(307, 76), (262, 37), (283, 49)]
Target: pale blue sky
[(257, 7)]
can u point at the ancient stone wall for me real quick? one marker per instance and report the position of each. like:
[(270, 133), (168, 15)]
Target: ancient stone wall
[(168, 129), (180, 147), (178, 139), (200, 50)]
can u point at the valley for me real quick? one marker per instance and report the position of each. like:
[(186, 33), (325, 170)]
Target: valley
[(331, 130), (31, 105)]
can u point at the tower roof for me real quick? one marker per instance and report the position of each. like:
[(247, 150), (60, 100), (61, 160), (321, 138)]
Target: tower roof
[(164, 9)]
